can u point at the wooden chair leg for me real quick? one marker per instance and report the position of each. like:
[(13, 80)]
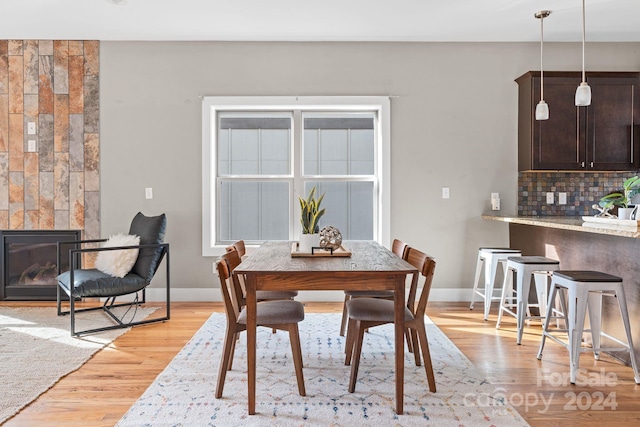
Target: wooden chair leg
[(416, 346), (233, 350), (343, 323), (426, 355), (409, 339), (348, 346), (357, 350), (294, 338), (229, 341)]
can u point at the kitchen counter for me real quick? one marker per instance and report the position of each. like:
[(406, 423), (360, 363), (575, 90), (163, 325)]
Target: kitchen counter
[(564, 223), (580, 247)]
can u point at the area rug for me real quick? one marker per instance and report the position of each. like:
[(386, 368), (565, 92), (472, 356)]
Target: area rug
[(183, 394), (36, 350)]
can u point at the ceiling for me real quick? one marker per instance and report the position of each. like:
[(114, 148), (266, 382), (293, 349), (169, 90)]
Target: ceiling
[(328, 20)]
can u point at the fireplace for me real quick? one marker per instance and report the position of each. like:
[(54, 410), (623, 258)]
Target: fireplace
[(28, 263)]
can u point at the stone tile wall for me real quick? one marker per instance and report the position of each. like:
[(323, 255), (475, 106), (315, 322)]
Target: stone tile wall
[(54, 84), (583, 190)]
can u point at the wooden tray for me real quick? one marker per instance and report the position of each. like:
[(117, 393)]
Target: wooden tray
[(610, 223), (319, 252)]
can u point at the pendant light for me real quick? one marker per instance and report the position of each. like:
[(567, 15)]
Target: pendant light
[(542, 109), (583, 93)]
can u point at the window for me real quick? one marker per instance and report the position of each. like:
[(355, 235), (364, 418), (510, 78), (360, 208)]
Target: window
[(260, 154)]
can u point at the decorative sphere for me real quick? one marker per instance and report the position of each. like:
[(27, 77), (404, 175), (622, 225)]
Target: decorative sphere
[(330, 238)]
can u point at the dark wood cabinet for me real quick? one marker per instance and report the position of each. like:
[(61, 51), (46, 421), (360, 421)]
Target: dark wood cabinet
[(604, 136)]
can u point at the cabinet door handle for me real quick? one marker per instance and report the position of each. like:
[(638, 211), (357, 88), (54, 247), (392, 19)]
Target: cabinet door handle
[(591, 164), (578, 136), (582, 164), (632, 124)]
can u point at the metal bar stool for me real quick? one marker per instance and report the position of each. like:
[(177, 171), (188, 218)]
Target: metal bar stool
[(585, 290), (525, 267), (490, 258)]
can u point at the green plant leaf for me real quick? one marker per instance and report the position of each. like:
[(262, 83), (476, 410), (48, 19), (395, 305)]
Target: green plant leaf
[(310, 212), (613, 199)]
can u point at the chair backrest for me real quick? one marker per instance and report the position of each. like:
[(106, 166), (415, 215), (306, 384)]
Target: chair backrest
[(232, 294), (151, 230), (239, 247), (426, 266), (399, 248)]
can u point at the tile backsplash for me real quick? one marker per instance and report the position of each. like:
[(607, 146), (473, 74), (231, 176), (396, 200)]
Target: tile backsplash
[(583, 190)]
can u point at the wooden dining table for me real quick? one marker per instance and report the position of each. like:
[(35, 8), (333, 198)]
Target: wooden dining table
[(370, 266)]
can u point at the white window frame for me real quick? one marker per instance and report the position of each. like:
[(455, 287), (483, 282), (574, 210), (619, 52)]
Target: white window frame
[(211, 105)]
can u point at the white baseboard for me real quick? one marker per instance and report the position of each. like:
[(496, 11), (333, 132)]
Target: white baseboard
[(213, 295)]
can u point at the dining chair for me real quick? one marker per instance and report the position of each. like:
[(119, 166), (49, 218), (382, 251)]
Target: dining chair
[(282, 315), (367, 313), (399, 248), (261, 295)]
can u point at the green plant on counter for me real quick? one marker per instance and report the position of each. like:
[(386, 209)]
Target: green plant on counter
[(310, 212), (630, 187)]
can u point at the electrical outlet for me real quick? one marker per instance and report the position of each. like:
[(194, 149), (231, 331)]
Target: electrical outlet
[(495, 201), (445, 192), (549, 198), (562, 198)]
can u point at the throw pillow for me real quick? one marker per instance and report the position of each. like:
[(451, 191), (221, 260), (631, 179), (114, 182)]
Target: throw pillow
[(118, 263)]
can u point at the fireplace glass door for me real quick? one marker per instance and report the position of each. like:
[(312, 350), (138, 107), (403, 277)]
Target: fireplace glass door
[(28, 266)]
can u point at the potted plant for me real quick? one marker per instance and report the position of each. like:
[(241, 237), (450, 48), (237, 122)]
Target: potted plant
[(630, 187), (310, 214)]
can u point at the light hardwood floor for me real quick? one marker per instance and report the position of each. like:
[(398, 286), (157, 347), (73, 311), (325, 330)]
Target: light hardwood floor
[(102, 390)]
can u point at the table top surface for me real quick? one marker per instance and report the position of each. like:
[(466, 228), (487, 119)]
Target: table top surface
[(366, 256)]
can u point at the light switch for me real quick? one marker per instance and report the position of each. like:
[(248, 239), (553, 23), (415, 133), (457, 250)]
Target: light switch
[(31, 146), (148, 193), (31, 128), (562, 198), (445, 192), (550, 198)]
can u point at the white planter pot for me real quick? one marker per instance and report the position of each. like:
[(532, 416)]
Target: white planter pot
[(308, 241), (627, 213)]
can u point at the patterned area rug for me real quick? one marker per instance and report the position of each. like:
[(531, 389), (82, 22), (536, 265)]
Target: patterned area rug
[(36, 350), (183, 394)]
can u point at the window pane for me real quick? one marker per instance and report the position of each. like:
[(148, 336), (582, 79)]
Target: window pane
[(361, 152), (334, 145), (339, 144), (349, 207), (274, 152), (244, 151), (311, 152), (254, 145), (254, 211)]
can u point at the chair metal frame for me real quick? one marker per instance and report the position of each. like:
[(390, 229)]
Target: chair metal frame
[(110, 300)]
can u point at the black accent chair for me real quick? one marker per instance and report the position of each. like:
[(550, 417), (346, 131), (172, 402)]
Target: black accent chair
[(92, 283)]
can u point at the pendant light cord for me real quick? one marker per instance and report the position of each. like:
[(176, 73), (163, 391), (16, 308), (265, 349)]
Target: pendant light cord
[(541, 49)]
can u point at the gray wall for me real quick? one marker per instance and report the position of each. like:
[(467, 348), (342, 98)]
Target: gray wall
[(453, 125)]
